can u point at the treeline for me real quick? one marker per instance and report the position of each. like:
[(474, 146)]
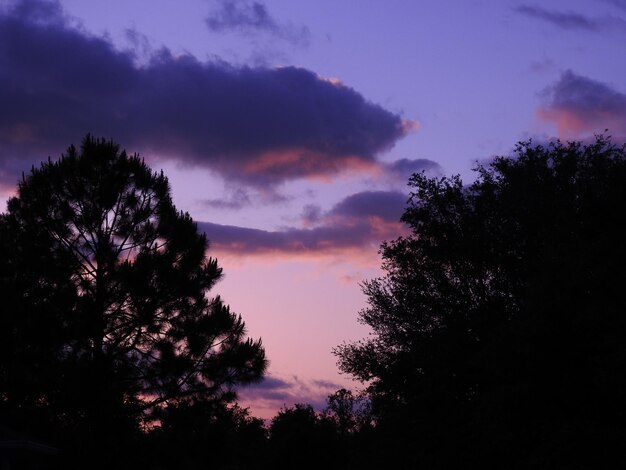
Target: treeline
[(499, 325), (297, 437)]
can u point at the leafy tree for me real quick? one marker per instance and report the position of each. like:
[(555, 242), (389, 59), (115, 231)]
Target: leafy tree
[(107, 312), (338, 437), (202, 434), (302, 438), (350, 413), (499, 333)]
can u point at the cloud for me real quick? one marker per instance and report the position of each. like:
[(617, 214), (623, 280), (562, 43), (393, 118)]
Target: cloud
[(359, 221), (311, 214), (273, 393), (578, 105), (618, 3), (255, 126), (384, 205), (237, 200), (542, 66), (570, 20), (388, 175), (251, 17), (565, 20), (401, 170), (394, 175), (271, 388), (36, 11)]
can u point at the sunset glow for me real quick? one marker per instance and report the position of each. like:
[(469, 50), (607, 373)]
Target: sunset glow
[(290, 141)]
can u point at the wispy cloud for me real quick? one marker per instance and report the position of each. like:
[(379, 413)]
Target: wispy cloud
[(570, 20), (252, 17), (618, 3), (387, 179), (274, 393), (36, 11), (255, 126), (565, 20), (542, 66), (362, 220), (400, 170), (578, 105), (239, 199)]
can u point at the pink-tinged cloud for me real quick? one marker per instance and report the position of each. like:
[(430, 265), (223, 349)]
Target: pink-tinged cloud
[(273, 393), (256, 126), (279, 165), (578, 105), (395, 173), (360, 221)]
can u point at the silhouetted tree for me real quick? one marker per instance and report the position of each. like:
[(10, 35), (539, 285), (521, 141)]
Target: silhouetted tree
[(338, 437), (207, 434), (499, 326), (107, 315), (351, 413), (302, 438), (354, 434)]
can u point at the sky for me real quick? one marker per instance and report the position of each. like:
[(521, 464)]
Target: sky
[(288, 128)]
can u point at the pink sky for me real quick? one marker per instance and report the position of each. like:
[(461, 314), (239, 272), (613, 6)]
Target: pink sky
[(289, 129)]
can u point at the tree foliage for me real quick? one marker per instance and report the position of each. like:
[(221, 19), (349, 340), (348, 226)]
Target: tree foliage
[(302, 438), (350, 413), (106, 287), (207, 434), (499, 327)]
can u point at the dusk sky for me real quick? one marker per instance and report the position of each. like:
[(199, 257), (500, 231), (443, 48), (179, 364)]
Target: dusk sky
[(288, 128)]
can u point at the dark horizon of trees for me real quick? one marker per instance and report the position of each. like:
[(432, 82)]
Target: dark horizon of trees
[(499, 336)]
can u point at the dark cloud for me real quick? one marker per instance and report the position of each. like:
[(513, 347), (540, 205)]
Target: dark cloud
[(240, 198), (574, 21), (311, 214), (386, 205), (274, 392), (396, 174), (141, 47), (237, 200), (361, 220), (36, 11), (327, 384), (246, 17), (234, 14), (565, 20), (618, 3), (246, 241), (577, 105), (258, 126), (402, 169), (271, 388)]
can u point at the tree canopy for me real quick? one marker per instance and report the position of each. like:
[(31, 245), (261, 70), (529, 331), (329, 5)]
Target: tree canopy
[(499, 328), (107, 314)]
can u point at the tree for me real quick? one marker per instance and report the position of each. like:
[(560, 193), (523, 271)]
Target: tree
[(350, 413), (499, 332), (302, 438), (201, 434), (107, 312), (336, 437)]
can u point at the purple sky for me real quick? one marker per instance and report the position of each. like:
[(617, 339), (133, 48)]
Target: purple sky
[(288, 129)]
